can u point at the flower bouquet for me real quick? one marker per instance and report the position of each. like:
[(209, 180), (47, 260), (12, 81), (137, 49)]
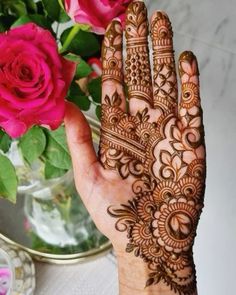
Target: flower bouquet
[(50, 51)]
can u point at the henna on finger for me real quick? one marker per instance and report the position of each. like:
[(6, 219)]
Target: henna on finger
[(138, 69), (112, 65), (165, 81)]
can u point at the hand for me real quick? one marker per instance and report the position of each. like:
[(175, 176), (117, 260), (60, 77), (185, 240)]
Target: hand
[(145, 190)]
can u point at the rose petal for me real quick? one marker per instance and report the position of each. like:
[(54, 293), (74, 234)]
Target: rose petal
[(14, 127)]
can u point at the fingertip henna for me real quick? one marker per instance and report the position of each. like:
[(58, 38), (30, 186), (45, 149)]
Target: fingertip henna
[(165, 80), (112, 53)]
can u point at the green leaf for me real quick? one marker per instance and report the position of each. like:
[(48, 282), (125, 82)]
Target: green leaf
[(38, 19), (63, 17), (98, 112), (7, 21), (8, 179), (83, 69), (21, 21), (52, 8), (54, 11), (17, 8), (61, 3), (51, 171), (56, 151), (41, 21), (78, 97), (84, 43), (75, 89), (95, 89), (32, 144), (2, 27), (31, 6), (82, 102), (5, 141), (40, 8)]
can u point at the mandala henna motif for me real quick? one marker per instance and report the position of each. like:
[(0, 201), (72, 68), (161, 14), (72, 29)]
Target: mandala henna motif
[(164, 157)]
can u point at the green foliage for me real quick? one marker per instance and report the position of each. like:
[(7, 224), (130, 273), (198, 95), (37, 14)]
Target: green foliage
[(75, 89), (78, 97), (31, 6), (82, 102), (8, 179), (5, 141), (84, 43), (63, 17), (38, 19), (95, 89), (54, 11), (16, 8), (32, 144), (56, 152), (83, 69), (51, 171), (2, 26)]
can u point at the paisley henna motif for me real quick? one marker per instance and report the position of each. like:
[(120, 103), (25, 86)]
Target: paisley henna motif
[(163, 156)]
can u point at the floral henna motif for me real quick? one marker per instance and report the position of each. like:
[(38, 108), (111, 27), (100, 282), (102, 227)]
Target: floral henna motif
[(165, 158)]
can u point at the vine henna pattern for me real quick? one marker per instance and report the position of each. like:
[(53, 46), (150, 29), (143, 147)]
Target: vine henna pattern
[(160, 149)]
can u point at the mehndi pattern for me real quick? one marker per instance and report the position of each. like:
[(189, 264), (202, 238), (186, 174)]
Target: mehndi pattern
[(164, 156)]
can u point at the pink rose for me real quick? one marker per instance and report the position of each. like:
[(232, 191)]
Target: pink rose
[(96, 13), (34, 80)]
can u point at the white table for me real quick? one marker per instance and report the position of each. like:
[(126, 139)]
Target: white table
[(97, 277)]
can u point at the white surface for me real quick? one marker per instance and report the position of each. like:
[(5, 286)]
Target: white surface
[(97, 277), (208, 28)]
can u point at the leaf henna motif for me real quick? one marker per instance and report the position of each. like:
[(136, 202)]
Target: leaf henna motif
[(164, 156)]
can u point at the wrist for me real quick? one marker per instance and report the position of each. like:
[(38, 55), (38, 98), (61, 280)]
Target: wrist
[(134, 274)]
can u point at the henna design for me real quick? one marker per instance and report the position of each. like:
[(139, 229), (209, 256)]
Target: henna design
[(112, 53), (138, 71), (164, 157), (165, 82)]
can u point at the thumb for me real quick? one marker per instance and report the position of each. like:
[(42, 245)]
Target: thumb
[(79, 139)]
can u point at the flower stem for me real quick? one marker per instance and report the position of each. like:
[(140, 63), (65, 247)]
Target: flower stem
[(70, 37)]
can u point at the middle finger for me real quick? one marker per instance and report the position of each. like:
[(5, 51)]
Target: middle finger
[(138, 70)]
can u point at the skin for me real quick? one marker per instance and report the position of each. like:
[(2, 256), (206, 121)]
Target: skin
[(163, 141)]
